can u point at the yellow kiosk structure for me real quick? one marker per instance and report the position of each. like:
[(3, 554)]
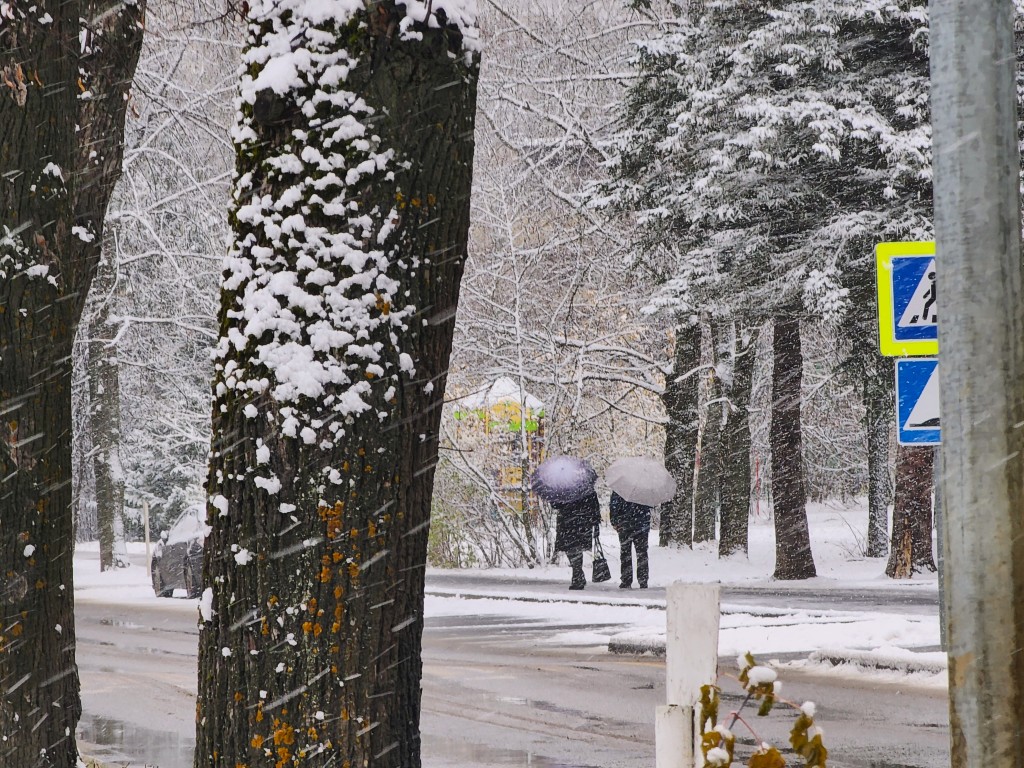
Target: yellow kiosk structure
[(506, 425)]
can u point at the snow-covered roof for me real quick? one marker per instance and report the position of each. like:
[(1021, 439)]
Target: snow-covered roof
[(504, 390)]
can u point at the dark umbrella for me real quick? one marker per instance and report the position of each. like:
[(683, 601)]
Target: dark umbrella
[(563, 479)]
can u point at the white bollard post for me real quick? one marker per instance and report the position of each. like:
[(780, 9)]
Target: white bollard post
[(672, 737), (691, 657)]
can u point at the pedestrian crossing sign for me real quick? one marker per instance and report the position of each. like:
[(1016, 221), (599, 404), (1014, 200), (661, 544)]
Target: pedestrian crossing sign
[(917, 402), (907, 317)]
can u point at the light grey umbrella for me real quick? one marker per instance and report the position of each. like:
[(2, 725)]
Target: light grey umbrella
[(641, 480), (562, 479)]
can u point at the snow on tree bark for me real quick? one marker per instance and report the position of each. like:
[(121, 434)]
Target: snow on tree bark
[(105, 425), (911, 550), (793, 558), (66, 69), (879, 419), (355, 149), (681, 436), (736, 445), (709, 458)]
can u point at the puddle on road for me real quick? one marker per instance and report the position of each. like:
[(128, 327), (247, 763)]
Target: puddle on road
[(122, 623), (132, 746), (116, 742), (448, 753)]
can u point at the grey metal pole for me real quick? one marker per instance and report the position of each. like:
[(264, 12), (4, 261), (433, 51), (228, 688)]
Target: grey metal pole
[(981, 369)]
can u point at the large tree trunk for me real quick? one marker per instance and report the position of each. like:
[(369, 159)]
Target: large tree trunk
[(329, 381), (793, 558), (911, 550), (681, 434), (878, 423), (735, 485), (105, 424), (60, 158)]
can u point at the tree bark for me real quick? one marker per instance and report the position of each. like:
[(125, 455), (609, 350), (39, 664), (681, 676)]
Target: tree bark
[(59, 159), (736, 446), (320, 495), (878, 418), (681, 435), (105, 424), (911, 550), (709, 464), (793, 558)]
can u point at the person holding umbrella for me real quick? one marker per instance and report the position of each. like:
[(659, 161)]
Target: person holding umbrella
[(632, 522), (638, 484), (567, 484)]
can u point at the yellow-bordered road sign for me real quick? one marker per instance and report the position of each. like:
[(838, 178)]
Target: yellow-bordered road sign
[(907, 319)]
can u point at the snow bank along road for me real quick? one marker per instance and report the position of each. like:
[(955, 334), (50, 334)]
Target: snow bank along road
[(501, 688)]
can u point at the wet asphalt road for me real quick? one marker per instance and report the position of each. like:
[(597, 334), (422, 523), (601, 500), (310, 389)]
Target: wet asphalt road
[(498, 693)]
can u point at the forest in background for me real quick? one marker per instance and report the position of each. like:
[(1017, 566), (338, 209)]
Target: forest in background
[(572, 289)]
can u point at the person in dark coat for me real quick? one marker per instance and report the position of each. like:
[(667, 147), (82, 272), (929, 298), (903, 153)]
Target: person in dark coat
[(632, 522), (576, 524)]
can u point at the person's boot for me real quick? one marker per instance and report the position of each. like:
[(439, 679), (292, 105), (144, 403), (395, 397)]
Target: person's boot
[(579, 581)]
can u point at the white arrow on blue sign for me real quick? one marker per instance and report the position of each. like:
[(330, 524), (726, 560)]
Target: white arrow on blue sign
[(917, 401)]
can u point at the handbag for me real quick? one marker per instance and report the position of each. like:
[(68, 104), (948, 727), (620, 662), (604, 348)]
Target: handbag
[(601, 570)]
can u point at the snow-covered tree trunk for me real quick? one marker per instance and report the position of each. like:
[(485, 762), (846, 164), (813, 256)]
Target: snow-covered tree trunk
[(105, 426), (911, 550), (62, 107), (793, 558), (681, 436), (877, 392), (736, 443), (355, 151), (709, 453)]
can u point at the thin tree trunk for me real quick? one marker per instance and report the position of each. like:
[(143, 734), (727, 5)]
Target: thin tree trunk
[(681, 431), (736, 446), (709, 465), (793, 558), (878, 424), (309, 651), (911, 550), (105, 423), (60, 158)]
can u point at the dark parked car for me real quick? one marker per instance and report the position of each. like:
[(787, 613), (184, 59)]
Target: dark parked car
[(178, 557)]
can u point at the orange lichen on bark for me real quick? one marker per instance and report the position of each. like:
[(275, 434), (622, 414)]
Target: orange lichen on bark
[(283, 732)]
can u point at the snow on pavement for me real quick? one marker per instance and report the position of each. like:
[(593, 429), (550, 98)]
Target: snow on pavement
[(862, 639)]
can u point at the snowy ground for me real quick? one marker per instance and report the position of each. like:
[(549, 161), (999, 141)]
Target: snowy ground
[(900, 642)]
